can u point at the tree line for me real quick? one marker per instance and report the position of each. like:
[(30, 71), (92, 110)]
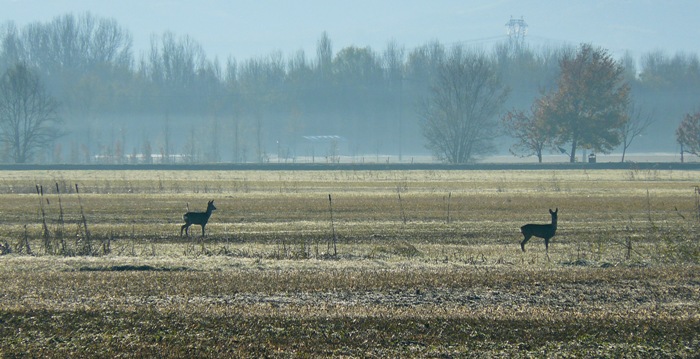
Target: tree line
[(102, 102)]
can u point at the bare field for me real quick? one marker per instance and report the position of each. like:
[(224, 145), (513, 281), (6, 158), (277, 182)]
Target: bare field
[(412, 264)]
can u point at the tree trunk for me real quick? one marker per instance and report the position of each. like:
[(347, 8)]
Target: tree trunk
[(681, 153), (572, 154)]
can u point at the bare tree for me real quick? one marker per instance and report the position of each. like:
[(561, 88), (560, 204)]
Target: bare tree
[(28, 116), (166, 140), (459, 119), (637, 122), (688, 134)]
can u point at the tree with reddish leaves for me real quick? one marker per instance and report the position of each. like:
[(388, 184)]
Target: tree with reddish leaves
[(531, 132), (589, 108), (688, 134)]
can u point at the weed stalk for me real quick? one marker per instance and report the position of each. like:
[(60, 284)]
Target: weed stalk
[(61, 223), (697, 203), (25, 242), (449, 200), (87, 245), (330, 207), (403, 213), (45, 234)]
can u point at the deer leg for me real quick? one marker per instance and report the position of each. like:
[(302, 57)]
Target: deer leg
[(184, 226), (203, 229), (546, 245), (522, 244)]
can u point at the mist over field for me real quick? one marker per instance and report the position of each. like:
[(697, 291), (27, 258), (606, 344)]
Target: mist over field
[(141, 82)]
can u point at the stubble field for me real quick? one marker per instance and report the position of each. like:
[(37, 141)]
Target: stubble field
[(392, 264)]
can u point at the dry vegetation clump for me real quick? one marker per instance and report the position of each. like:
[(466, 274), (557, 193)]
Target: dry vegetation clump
[(427, 265)]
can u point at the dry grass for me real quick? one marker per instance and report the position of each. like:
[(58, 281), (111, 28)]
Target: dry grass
[(410, 279)]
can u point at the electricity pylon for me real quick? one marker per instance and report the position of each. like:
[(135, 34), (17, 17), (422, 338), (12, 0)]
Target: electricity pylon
[(516, 30)]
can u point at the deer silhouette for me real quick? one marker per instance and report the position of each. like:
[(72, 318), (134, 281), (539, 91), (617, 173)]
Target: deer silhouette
[(200, 218), (545, 231)]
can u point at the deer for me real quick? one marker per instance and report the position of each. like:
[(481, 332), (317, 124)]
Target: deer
[(200, 218), (545, 231)]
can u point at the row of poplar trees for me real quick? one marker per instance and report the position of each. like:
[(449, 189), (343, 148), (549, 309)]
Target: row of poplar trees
[(89, 97)]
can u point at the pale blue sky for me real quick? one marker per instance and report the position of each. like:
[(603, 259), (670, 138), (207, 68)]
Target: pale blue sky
[(245, 29)]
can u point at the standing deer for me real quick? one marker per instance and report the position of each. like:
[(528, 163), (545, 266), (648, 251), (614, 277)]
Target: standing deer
[(545, 231), (200, 218)]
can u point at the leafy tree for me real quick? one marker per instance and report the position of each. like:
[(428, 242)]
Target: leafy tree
[(589, 107), (423, 63), (357, 68), (459, 118), (688, 134), (28, 115), (530, 131), (358, 74), (681, 71), (324, 57)]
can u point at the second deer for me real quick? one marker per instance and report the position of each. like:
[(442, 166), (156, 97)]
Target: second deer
[(545, 231), (200, 218)]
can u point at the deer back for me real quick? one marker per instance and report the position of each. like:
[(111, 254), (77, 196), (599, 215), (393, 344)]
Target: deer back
[(196, 217), (542, 230), (199, 217)]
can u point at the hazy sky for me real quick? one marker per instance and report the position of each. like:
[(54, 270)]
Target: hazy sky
[(245, 29)]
